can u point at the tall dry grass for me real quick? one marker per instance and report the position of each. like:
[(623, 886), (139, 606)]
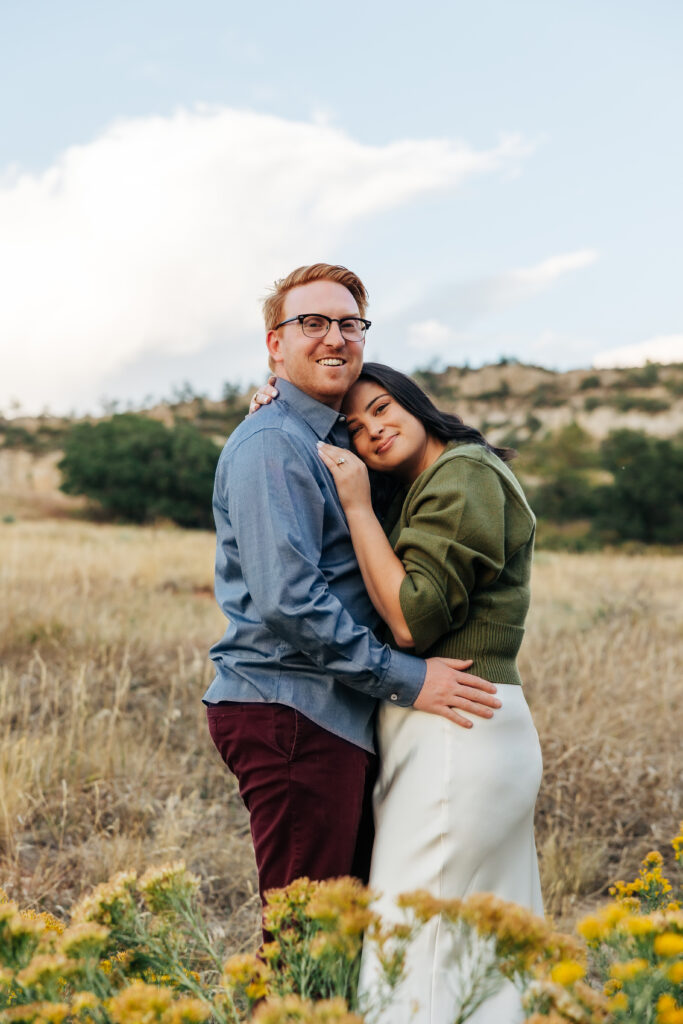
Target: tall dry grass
[(106, 763)]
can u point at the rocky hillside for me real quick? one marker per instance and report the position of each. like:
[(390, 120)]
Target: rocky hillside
[(511, 402)]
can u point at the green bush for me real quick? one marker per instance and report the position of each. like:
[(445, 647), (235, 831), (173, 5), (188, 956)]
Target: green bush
[(139, 470), (643, 403), (645, 501), (566, 497)]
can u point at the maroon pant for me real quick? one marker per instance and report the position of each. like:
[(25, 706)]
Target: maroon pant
[(307, 791)]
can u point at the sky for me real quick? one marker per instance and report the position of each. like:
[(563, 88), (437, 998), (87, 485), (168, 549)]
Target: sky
[(505, 178)]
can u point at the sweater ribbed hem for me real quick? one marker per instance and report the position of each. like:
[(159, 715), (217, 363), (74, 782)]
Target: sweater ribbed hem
[(493, 645)]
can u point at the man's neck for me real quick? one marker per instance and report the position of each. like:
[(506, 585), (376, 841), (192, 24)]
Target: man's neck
[(331, 401)]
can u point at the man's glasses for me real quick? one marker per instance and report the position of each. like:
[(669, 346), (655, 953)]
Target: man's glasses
[(317, 325)]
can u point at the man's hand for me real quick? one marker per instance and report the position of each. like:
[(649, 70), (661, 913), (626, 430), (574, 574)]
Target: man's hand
[(447, 687)]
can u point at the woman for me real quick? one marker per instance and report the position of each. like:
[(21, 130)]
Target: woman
[(448, 571)]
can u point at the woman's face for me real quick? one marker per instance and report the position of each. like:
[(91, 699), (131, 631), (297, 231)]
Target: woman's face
[(385, 435)]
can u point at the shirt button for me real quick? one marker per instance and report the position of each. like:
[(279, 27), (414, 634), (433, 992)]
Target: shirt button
[(394, 696), (342, 418)]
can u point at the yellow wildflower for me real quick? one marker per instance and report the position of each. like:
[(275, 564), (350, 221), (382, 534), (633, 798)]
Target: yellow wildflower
[(423, 905), (83, 1001), (294, 1010), (677, 843), (139, 1002), (187, 1010), (49, 922), (669, 944), (628, 970), (271, 951), (567, 972), (109, 902), (42, 970), (84, 939), (619, 1001), (668, 1011), (247, 972), (638, 925), (675, 973), (164, 886)]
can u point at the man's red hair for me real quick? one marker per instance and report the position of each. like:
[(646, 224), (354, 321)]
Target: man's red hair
[(272, 306)]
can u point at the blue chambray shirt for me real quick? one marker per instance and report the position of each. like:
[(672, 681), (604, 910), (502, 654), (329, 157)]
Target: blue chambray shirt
[(299, 619)]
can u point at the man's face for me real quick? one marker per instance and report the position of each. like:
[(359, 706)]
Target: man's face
[(324, 368)]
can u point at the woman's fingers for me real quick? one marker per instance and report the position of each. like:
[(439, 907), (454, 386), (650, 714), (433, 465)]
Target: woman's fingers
[(265, 394)]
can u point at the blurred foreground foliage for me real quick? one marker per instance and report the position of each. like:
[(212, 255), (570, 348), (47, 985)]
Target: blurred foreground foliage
[(139, 470), (138, 951)]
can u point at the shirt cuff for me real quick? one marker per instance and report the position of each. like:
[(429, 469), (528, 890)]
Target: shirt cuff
[(403, 678)]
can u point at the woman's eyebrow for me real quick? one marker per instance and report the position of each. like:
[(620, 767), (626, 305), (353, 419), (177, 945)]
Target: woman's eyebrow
[(352, 419), (376, 399)]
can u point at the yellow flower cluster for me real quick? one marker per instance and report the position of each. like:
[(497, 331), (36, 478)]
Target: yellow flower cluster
[(294, 1010), (677, 843), (286, 907), (84, 940), (109, 902), (668, 1010), (648, 889), (550, 1000), (152, 1004), (164, 887), (245, 972), (36, 1013)]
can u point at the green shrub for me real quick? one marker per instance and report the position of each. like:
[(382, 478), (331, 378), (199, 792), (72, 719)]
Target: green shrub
[(642, 376), (139, 470), (566, 497), (547, 395), (641, 403), (498, 394), (645, 501), (590, 382)]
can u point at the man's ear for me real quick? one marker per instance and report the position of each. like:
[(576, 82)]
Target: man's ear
[(273, 345)]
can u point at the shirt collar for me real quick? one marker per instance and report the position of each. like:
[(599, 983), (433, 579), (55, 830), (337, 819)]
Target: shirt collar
[(320, 417)]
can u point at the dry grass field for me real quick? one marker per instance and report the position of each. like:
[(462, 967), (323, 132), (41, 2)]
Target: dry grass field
[(106, 763)]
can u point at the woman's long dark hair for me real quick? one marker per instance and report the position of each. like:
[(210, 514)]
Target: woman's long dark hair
[(444, 425)]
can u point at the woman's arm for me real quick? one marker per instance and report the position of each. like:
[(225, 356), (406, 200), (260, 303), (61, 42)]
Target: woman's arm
[(382, 572)]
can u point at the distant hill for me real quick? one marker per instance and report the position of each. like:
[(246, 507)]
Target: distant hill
[(512, 403)]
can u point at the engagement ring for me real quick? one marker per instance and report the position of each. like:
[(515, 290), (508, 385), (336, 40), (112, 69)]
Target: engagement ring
[(339, 461)]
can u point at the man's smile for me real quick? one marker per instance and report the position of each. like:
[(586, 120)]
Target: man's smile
[(331, 361)]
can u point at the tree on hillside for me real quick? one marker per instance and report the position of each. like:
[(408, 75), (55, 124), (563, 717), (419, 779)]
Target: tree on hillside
[(140, 470), (645, 502)]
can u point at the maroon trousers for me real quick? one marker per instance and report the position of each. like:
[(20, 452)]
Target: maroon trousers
[(307, 791)]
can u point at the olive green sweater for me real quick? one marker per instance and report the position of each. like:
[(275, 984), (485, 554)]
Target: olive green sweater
[(465, 534)]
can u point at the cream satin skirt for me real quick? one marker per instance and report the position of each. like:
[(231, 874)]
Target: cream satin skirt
[(454, 814)]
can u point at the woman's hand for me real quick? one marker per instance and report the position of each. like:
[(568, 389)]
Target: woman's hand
[(265, 394), (350, 477)]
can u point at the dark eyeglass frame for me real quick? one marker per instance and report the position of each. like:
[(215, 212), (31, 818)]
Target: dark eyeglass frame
[(330, 320)]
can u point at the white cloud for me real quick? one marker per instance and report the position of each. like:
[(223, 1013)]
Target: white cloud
[(466, 301), (160, 236), (664, 348), (429, 336), (529, 280)]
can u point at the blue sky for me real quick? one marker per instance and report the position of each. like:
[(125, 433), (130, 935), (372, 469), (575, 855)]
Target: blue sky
[(505, 178)]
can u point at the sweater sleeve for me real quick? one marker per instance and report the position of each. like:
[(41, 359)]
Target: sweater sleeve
[(453, 540)]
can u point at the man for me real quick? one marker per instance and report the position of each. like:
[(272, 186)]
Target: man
[(298, 670)]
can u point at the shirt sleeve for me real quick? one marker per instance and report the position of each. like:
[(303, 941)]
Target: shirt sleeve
[(454, 539), (276, 509)]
